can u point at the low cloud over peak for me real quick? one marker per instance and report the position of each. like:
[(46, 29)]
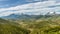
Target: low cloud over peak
[(35, 8)]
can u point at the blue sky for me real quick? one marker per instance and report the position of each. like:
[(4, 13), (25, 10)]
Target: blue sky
[(10, 3), (8, 7)]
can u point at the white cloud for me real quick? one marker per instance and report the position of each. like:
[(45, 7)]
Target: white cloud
[(32, 7), (32, 0)]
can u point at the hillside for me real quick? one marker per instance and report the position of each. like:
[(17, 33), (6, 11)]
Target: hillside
[(37, 24), (45, 24), (7, 27)]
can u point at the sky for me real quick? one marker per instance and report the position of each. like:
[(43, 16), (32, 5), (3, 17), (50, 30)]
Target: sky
[(8, 7)]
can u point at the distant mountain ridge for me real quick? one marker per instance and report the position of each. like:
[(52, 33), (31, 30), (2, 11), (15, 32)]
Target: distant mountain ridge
[(16, 16), (26, 16)]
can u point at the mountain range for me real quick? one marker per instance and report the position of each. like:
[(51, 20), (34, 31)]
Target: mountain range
[(26, 16)]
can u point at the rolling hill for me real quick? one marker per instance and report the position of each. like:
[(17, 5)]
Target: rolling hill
[(8, 27), (30, 24)]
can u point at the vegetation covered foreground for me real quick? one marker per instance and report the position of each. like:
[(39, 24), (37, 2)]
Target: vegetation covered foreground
[(49, 25), (7, 27)]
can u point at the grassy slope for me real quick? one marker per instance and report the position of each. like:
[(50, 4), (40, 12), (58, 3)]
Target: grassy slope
[(7, 27), (49, 25)]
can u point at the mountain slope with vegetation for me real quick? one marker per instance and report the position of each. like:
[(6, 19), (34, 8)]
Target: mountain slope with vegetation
[(37, 24), (7, 27)]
